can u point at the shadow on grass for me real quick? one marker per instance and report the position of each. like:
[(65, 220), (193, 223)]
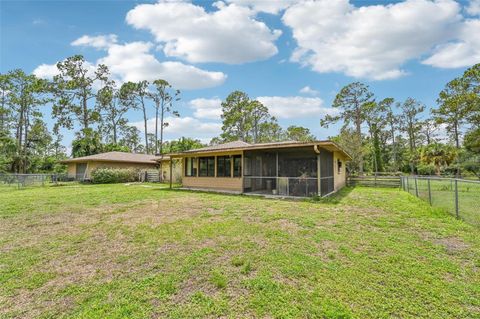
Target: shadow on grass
[(335, 198)]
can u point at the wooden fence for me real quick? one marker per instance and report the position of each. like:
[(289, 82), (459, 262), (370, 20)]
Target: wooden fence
[(374, 181)]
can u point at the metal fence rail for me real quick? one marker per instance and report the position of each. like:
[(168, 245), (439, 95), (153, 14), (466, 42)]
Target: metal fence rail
[(374, 180), (460, 197)]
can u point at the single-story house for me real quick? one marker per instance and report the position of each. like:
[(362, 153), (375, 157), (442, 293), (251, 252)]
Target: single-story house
[(81, 168), (283, 168)]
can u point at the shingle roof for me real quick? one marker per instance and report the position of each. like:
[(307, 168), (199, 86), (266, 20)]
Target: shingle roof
[(118, 157), (219, 147), (240, 145)]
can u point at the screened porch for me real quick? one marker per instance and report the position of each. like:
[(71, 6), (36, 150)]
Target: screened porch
[(298, 172)]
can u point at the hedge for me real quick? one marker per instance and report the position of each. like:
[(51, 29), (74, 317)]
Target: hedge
[(114, 175)]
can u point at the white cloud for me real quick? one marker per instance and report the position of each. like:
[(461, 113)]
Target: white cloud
[(295, 106), (229, 34), (99, 42), (463, 52), (369, 41), (207, 108), (308, 90), (268, 6), (46, 71), (473, 7), (134, 62), (184, 126)]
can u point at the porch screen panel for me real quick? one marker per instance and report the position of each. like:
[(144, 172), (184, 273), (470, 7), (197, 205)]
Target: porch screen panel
[(207, 166), (326, 172)]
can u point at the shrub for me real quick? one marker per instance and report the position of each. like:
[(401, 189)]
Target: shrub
[(114, 175)]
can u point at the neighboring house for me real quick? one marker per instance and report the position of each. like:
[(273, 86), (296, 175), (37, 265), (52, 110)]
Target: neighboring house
[(81, 168), (283, 168)]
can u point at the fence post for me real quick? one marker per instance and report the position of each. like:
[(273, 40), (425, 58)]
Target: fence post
[(429, 192), (408, 185), (456, 199), (416, 187)]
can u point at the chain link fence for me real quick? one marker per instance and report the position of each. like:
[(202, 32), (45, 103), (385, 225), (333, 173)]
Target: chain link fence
[(460, 197), (24, 180)]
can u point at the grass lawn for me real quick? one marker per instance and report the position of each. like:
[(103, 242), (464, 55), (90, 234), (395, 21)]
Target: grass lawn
[(442, 192), (136, 251)]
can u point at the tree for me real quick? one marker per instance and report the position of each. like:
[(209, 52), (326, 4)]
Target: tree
[(5, 110), (438, 155), (236, 122), (472, 78), (429, 128), (453, 108), (163, 99), (258, 115), (183, 144), (26, 94), (347, 139), (137, 94), (131, 138), (113, 105), (376, 115), (352, 100), (73, 90), (86, 142), (271, 131), (299, 133), (411, 125)]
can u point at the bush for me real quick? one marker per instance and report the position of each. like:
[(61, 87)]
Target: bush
[(114, 175)]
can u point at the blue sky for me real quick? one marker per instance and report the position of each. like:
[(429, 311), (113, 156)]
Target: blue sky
[(269, 49)]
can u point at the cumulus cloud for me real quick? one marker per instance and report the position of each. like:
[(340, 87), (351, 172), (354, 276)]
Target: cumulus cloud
[(308, 90), (369, 41), (134, 62), (184, 126), (463, 52), (288, 107), (99, 42), (473, 7), (207, 108), (272, 6), (230, 34)]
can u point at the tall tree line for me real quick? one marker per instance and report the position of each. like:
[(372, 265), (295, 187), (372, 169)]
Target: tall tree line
[(387, 135)]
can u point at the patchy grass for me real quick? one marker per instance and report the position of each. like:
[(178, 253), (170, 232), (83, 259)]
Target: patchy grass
[(136, 251)]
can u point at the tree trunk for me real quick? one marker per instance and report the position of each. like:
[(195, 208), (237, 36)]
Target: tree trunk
[(157, 106), (85, 111), (145, 127), (359, 136)]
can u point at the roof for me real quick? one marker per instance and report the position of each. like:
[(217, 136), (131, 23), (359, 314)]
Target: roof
[(118, 157), (241, 146)]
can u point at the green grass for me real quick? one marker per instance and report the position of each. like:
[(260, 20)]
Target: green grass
[(137, 251), (442, 192)]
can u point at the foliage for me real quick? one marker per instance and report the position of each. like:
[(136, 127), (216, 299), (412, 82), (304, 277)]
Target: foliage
[(299, 133), (114, 175), (73, 90), (353, 101), (182, 144), (87, 142), (438, 155), (163, 99)]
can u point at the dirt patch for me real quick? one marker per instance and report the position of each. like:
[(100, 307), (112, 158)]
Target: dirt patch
[(452, 244)]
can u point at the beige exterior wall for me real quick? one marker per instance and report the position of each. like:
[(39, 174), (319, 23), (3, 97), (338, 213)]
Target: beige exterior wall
[(340, 178), (176, 171), (220, 183), (71, 170), (214, 183), (91, 165)]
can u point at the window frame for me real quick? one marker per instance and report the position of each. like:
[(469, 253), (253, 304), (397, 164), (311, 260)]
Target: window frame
[(193, 168), (339, 166), (240, 166), (209, 170), (227, 171)]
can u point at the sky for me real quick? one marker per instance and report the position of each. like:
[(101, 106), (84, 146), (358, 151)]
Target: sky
[(293, 56)]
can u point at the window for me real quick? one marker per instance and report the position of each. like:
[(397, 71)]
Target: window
[(224, 166), (191, 166), (237, 165), (339, 166), (207, 166)]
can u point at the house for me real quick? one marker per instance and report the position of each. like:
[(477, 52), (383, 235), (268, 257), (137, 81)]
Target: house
[(283, 168), (81, 168)]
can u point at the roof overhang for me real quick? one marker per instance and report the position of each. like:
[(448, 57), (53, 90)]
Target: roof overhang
[(328, 145), (82, 160)]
